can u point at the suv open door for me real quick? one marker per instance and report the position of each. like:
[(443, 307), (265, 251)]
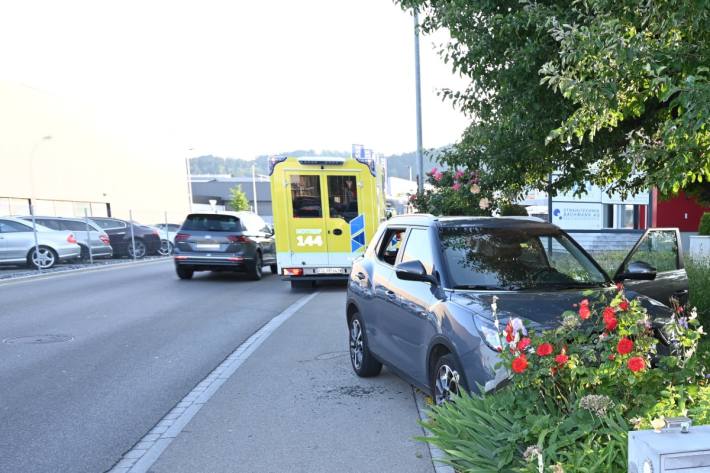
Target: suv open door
[(654, 267)]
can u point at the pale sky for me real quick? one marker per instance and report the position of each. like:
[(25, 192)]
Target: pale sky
[(235, 78)]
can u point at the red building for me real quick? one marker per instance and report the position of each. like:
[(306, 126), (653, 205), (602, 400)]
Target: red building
[(680, 211)]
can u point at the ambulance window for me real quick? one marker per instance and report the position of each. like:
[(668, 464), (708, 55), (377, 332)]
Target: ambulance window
[(305, 196), (342, 197)]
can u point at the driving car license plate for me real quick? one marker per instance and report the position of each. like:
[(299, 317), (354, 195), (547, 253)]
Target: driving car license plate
[(330, 270), (207, 246)]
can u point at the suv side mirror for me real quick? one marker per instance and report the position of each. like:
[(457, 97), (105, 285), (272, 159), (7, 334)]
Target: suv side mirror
[(639, 271), (413, 271)]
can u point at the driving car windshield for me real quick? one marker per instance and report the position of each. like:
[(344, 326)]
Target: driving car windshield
[(212, 223), (516, 258)]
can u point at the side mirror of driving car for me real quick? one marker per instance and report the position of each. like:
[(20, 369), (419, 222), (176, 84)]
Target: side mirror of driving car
[(639, 271), (413, 271)]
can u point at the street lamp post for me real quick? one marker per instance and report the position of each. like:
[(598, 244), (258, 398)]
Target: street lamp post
[(189, 180), (32, 202), (418, 87)]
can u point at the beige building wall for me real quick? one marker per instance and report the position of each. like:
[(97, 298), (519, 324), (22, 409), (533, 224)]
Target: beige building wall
[(82, 162)]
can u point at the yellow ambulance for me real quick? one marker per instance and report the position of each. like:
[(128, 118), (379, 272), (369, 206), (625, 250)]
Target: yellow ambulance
[(325, 210)]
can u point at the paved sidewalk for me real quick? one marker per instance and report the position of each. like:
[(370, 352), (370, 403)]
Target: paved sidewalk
[(296, 406)]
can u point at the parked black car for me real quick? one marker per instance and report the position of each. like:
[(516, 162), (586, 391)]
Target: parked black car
[(228, 241), (147, 239), (419, 300)]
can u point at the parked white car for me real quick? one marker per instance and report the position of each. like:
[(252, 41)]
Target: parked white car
[(167, 237), (17, 244)]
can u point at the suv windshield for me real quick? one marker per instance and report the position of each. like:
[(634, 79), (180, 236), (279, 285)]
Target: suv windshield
[(212, 223), (516, 258)]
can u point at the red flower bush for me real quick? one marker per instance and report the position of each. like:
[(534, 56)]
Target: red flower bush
[(636, 364), (520, 364), (624, 305), (624, 346), (544, 349)]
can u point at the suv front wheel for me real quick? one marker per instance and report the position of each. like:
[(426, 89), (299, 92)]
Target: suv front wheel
[(447, 379)]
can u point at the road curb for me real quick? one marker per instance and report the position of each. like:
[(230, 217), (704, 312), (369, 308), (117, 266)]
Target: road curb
[(88, 269), (436, 454)]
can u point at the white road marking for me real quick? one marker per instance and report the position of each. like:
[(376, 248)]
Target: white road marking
[(147, 451)]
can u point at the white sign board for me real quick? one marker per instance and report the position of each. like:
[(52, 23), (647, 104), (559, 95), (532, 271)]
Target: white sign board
[(577, 215)]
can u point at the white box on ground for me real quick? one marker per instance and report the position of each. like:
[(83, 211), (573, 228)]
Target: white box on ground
[(670, 451)]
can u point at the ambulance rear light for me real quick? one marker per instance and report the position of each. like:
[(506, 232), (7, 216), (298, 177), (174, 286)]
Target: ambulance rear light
[(293, 271), (273, 161)]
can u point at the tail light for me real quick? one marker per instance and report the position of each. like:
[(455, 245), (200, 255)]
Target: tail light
[(156, 232), (71, 238), (238, 239), (293, 271), (181, 237), (105, 239)]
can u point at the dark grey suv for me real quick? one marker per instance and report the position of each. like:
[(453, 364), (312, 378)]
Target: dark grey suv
[(228, 241), (419, 300)]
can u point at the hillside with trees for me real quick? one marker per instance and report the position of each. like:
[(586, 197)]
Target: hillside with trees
[(397, 165)]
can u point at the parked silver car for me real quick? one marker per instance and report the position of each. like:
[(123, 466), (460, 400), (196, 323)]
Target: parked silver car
[(96, 239), (17, 244)]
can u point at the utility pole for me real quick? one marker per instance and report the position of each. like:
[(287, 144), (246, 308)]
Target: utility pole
[(418, 87)]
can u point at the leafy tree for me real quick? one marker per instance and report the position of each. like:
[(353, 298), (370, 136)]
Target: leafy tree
[(239, 199), (611, 92)]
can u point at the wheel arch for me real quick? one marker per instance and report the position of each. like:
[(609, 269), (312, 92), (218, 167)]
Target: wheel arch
[(439, 347)]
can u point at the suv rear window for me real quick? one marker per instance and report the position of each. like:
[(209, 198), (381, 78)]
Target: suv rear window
[(212, 223)]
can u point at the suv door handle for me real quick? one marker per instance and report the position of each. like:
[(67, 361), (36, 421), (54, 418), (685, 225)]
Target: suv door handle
[(360, 276), (337, 231), (390, 294)]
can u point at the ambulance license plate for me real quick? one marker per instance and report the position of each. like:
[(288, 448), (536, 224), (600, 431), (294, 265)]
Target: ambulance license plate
[(330, 270)]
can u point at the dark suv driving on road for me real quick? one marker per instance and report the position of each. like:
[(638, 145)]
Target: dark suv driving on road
[(420, 298), (228, 241)]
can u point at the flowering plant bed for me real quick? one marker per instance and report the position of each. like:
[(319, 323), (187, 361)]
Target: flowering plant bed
[(576, 390)]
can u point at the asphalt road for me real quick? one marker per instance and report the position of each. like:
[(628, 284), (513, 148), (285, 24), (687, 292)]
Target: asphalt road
[(140, 340)]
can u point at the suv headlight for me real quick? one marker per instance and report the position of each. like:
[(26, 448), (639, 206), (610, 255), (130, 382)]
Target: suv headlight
[(489, 332)]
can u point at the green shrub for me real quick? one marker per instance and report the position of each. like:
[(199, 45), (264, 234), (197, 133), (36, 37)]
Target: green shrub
[(513, 210), (704, 227)]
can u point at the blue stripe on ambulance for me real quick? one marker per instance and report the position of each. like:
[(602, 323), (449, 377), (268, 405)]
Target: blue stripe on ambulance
[(357, 233)]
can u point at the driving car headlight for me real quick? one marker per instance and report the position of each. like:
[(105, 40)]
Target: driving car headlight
[(489, 332)]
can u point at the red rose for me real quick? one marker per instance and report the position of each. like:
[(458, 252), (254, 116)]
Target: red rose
[(679, 309), (584, 311), (624, 305), (523, 343), (545, 349), (625, 346), (612, 357), (608, 312), (636, 364), (610, 324), (520, 364), (561, 359)]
